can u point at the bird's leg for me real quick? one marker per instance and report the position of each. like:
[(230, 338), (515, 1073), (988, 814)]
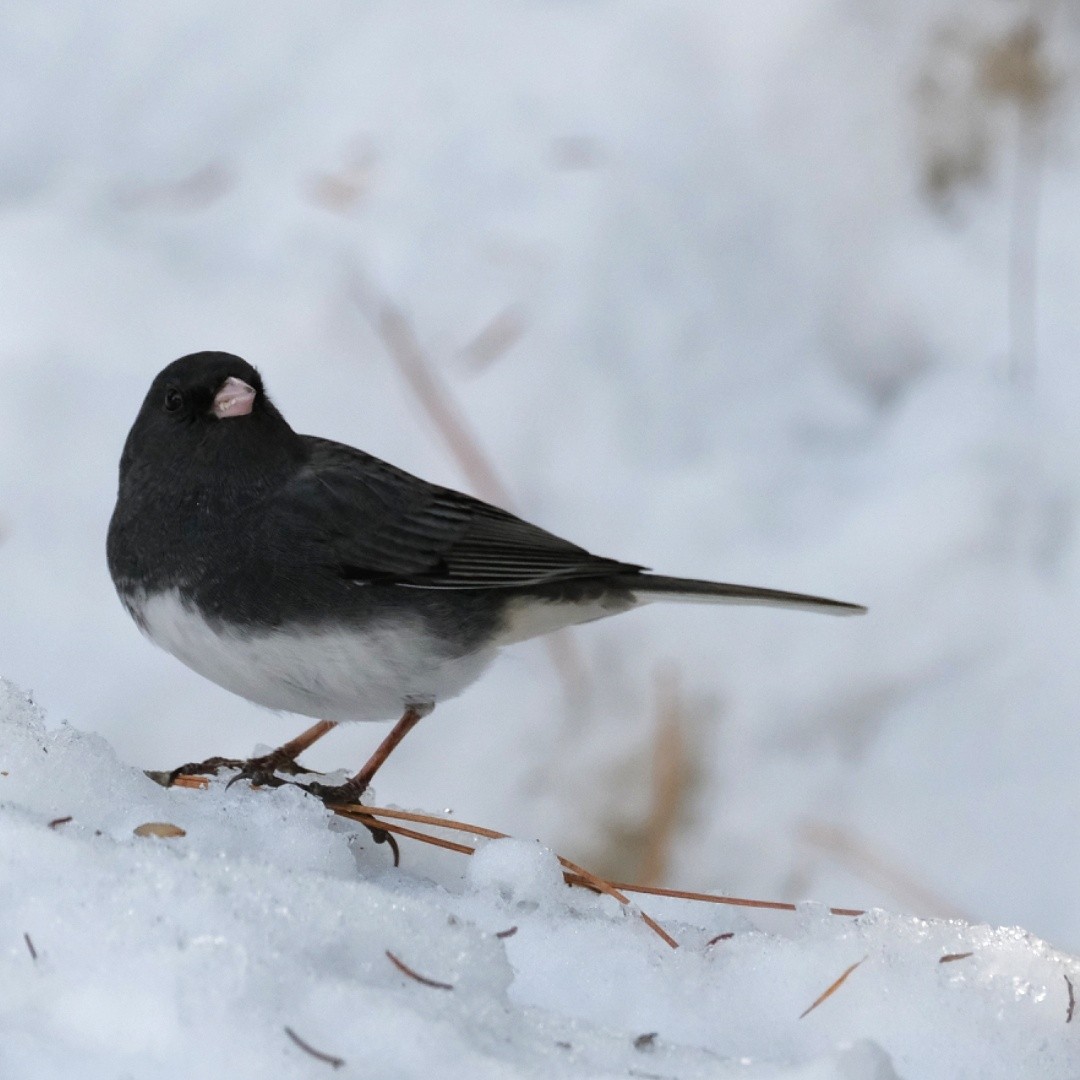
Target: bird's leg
[(261, 770), (352, 789)]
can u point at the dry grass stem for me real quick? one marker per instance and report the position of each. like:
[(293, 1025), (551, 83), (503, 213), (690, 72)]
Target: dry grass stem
[(1016, 71), (858, 856), (437, 401), (669, 777), (497, 337), (1072, 1001), (397, 334), (196, 191)]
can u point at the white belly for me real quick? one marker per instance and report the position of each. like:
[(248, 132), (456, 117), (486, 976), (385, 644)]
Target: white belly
[(330, 675)]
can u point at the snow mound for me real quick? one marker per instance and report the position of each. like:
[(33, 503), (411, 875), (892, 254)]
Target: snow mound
[(268, 932)]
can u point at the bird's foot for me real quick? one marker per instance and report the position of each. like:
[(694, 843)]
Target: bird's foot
[(259, 770), (337, 794), (262, 771)]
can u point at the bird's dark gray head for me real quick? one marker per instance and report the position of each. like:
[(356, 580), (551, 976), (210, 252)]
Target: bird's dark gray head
[(204, 410)]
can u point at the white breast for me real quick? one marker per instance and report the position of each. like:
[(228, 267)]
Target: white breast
[(329, 675)]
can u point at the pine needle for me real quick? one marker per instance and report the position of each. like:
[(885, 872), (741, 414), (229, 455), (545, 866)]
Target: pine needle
[(831, 989), (575, 875), (415, 975)]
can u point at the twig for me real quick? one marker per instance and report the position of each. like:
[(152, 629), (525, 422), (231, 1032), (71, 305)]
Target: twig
[(30, 947), (406, 970), (831, 989), (60, 821), (1072, 1000), (509, 932), (330, 1059)]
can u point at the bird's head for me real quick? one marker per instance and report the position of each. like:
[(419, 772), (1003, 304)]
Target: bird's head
[(207, 408)]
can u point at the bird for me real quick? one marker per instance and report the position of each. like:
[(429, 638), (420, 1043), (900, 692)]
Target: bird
[(310, 577)]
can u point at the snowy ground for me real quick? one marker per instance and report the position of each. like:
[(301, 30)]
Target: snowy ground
[(750, 266), (192, 955)]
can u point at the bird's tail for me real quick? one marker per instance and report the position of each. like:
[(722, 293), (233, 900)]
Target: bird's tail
[(648, 587)]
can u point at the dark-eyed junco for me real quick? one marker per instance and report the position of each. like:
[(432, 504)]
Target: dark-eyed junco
[(313, 578)]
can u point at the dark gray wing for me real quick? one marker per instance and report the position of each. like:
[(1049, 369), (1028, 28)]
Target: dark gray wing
[(374, 522)]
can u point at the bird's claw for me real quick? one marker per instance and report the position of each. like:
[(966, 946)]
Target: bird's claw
[(262, 771), (257, 775), (335, 794)]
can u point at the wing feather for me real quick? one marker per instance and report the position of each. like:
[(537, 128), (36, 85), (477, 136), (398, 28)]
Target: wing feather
[(375, 522)]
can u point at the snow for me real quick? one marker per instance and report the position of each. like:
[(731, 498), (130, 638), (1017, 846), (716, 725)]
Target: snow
[(754, 259), (192, 955)]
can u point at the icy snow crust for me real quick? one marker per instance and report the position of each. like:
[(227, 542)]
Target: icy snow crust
[(190, 956)]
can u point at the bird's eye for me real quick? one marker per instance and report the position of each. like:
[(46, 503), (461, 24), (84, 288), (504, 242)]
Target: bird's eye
[(173, 399)]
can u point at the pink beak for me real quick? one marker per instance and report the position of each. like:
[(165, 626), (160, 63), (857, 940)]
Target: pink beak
[(235, 398)]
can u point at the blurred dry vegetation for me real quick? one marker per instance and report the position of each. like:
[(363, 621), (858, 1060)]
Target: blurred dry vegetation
[(969, 78), (983, 103), (980, 103)]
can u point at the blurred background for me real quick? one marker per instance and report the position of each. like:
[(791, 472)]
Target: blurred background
[(779, 292)]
